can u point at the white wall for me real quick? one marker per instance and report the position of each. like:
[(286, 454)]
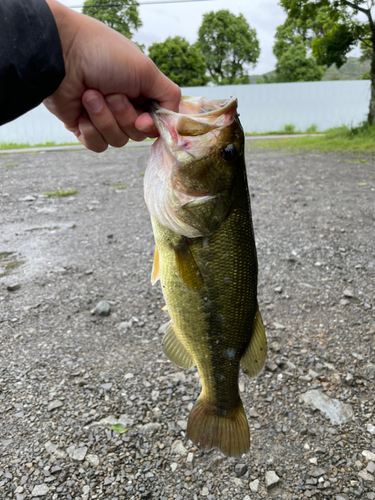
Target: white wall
[(263, 108)]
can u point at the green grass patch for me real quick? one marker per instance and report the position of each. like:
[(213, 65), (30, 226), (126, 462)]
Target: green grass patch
[(9, 165), (16, 145), (289, 129), (347, 139), (119, 185), (68, 192)]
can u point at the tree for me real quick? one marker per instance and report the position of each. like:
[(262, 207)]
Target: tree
[(121, 15), (181, 62), (341, 32), (294, 60), (228, 43)]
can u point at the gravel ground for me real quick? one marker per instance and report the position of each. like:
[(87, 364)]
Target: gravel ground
[(68, 373)]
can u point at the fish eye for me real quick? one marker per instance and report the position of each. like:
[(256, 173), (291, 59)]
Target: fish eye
[(229, 152)]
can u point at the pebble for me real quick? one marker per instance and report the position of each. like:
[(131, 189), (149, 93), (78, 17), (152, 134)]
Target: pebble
[(102, 309), (182, 424), (54, 404), (348, 292), (205, 491), (79, 454), (93, 459), (40, 490), (240, 469), (317, 472), (149, 428), (272, 479), (278, 326), (13, 288), (370, 467), (254, 486), (369, 455), (366, 476), (370, 428), (174, 466), (190, 461), (178, 448), (337, 412)]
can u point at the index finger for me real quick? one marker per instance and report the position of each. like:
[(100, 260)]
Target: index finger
[(161, 89)]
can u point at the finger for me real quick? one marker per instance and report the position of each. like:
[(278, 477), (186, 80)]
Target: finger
[(145, 124), (103, 120), (90, 137), (160, 88), (125, 115)]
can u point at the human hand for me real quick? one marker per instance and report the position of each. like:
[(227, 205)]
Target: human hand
[(103, 98)]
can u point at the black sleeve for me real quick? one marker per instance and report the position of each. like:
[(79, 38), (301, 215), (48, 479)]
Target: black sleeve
[(31, 60)]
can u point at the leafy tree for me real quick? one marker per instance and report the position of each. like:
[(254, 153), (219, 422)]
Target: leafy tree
[(228, 43), (121, 15), (294, 60), (341, 31), (181, 62)]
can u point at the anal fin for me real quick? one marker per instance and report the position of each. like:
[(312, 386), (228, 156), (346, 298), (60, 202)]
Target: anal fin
[(174, 350), (255, 355)]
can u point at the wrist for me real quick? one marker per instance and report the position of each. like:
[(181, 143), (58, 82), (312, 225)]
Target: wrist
[(65, 20)]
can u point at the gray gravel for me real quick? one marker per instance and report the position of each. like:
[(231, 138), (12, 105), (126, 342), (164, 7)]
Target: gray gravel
[(68, 373)]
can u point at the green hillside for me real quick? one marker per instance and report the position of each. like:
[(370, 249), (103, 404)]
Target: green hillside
[(351, 70)]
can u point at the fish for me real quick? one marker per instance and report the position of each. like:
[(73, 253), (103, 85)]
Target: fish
[(196, 190)]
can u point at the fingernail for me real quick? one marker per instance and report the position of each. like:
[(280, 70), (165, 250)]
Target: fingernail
[(94, 103), (115, 102)]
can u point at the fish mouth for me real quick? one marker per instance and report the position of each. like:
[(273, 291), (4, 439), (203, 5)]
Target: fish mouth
[(197, 107), (194, 130)]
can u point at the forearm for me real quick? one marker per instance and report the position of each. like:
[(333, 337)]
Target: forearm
[(31, 66)]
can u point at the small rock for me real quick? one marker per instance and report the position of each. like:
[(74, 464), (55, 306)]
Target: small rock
[(79, 454), (246, 498), (102, 309), (205, 491), (13, 288), (93, 460), (128, 376), (174, 466), (54, 404), (271, 366), (190, 461), (344, 302), (50, 447), (240, 469), (157, 412), (278, 326), (163, 327), (369, 455), (348, 292), (254, 486), (313, 374), (107, 386), (272, 479), (370, 467), (182, 424), (40, 490), (278, 289), (124, 325), (178, 448), (366, 476), (28, 198), (149, 428), (335, 410), (317, 472), (341, 496)]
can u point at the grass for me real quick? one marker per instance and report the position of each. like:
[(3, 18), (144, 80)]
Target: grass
[(9, 165), (289, 129), (359, 139), (68, 192), (16, 145)]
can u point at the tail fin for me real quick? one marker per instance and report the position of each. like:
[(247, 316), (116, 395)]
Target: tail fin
[(229, 433)]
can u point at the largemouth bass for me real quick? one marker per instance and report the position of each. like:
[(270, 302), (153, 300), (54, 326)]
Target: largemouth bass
[(197, 194)]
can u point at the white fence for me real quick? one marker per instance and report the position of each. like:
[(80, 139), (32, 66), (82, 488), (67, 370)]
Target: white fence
[(263, 108)]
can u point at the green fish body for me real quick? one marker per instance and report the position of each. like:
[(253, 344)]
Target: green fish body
[(206, 260)]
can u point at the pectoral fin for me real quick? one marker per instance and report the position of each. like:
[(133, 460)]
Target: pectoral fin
[(174, 350), (255, 355), (188, 269), (155, 274)]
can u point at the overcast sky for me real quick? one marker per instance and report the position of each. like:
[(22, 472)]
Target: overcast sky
[(171, 19)]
